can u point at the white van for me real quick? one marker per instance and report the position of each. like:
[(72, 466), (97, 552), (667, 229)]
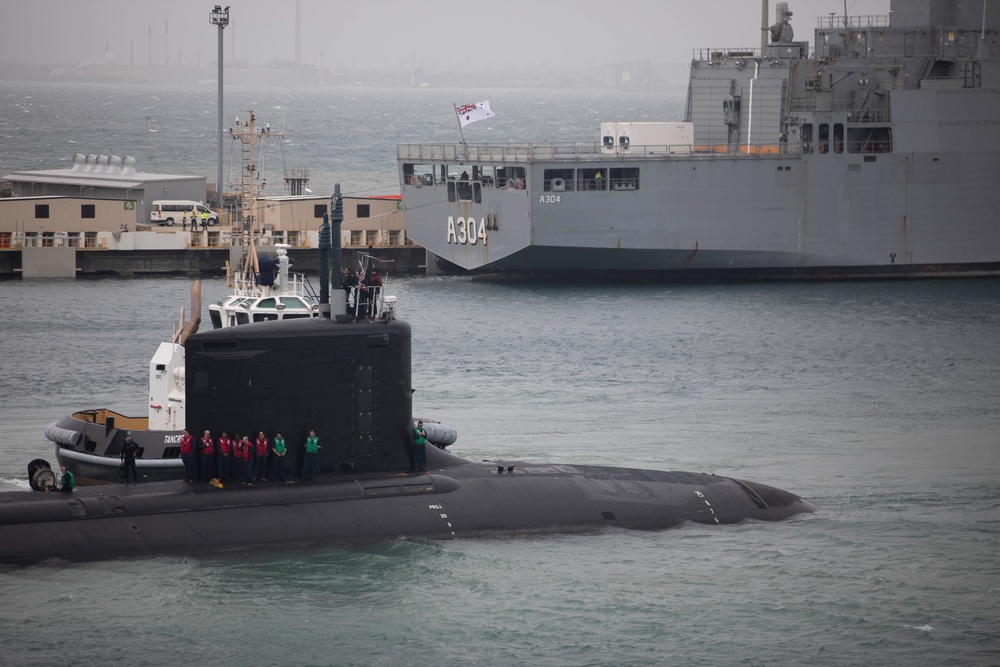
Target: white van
[(171, 212)]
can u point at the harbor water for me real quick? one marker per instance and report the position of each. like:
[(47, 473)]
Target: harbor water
[(877, 401)]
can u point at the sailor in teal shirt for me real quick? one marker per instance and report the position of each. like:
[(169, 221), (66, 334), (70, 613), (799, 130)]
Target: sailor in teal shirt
[(419, 447), (278, 460), (67, 481), (310, 465)]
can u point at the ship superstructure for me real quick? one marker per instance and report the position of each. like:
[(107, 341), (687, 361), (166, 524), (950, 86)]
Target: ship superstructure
[(875, 152)]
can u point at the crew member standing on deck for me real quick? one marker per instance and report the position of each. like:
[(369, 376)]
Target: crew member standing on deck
[(262, 448), (187, 456), (239, 455), (419, 447), (247, 460), (206, 452), (129, 451), (310, 464), (224, 445), (278, 458)]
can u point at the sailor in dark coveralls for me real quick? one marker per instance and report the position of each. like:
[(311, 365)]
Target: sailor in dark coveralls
[(129, 451)]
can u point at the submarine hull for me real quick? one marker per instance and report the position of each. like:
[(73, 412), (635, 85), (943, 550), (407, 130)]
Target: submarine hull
[(455, 499)]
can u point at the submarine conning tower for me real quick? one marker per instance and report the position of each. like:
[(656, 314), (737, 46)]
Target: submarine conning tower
[(348, 381)]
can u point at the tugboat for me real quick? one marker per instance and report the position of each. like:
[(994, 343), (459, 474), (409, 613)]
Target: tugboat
[(88, 442)]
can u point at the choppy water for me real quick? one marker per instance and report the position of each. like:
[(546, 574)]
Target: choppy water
[(878, 401)]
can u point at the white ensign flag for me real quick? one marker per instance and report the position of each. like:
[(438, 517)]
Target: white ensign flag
[(470, 113)]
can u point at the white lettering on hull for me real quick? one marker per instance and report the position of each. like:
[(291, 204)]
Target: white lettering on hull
[(466, 231)]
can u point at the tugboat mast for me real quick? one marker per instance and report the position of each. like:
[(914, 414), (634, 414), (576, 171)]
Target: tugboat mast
[(251, 183)]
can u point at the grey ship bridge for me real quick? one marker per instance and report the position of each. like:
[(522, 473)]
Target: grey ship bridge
[(872, 153)]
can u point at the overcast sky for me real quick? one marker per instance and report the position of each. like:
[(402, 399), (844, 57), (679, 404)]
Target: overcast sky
[(353, 34)]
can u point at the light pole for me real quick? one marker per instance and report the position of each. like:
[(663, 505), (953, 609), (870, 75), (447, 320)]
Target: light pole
[(219, 17)]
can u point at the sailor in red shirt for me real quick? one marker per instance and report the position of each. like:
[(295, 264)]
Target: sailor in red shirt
[(262, 448), (187, 456), (206, 452), (224, 445), (242, 449)]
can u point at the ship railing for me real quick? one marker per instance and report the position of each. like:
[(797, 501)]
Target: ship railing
[(578, 153), (716, 53), (535, 152), (854, 22), (854, 113), (508, 152), (246, 285)]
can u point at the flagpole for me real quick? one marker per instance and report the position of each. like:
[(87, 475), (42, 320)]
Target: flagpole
[(455, 107)]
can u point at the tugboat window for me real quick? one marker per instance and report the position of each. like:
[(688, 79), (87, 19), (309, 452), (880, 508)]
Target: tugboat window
[(319, 210), (41, 210), (364, 210), (87, 211)]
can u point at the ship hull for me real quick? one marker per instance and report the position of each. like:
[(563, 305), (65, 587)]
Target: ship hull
[(774, 218), (456, 499)]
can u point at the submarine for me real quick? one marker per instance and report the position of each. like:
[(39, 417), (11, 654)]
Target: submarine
[(349, 380)]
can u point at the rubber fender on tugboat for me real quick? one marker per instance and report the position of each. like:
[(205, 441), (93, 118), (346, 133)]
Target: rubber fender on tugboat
[(63, 436)]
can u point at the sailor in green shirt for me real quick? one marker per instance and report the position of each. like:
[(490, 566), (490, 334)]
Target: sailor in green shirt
[(310, 465), (278, 460), (67, 481)]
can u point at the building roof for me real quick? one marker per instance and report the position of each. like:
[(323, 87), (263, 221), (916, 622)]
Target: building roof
[(103, 179)]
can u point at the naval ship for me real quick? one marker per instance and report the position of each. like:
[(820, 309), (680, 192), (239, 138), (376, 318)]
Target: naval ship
[(875, 152)]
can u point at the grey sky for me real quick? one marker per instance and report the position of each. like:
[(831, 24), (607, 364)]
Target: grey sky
[(441, 34)]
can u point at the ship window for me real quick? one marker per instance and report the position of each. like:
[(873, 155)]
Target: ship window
[(319, 210), (625, 179), (558, 180), (807, 138), (87, 211), (592, 179), (216, 319), (41, 210), (513, 178), (265, 317), (267, 303), (242, 317), (364, 210), (459, 183), (418, 175), (869, 140), (824, 138), (838, 138), (292, 302), (485, 175)]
